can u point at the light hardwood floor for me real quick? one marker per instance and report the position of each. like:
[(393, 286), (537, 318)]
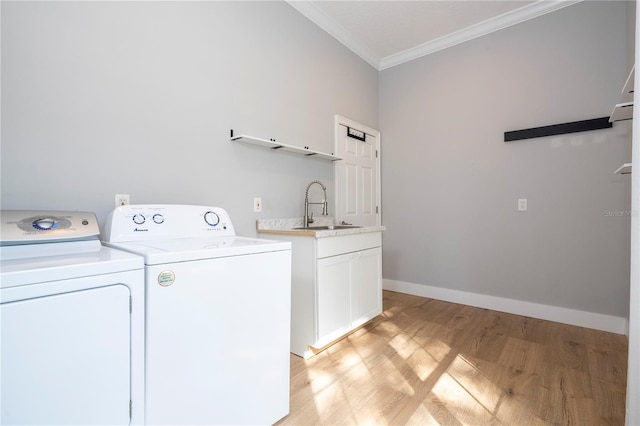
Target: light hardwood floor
[(425, 361)]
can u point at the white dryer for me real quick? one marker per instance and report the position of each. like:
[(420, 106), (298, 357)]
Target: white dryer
[(217, 319), (72, 323)]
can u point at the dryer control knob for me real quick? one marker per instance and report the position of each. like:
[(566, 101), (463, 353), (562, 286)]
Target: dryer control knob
[(211, 218), (138, 219), (158, 218), (45, 224)]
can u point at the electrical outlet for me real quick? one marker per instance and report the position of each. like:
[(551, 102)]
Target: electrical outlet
[(522, 204), (257, 205), (122, 200)]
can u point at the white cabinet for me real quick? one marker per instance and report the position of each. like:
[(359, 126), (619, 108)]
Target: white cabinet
[(349, 290), (366, 286), (336, 287), (333, 298)]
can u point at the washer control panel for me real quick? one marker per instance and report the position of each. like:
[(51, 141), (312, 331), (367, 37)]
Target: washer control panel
[(33, 226), (149, 222)]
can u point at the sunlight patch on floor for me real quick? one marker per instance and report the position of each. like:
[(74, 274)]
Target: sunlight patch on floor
[(459, 401), (352, 359), (403, 345), (423, 364), (388, 328), (328, 398), (438, 349), (466, 402), (422, 416), (462, 388), (406, 373), (396, 378), (475, 383), (319, 380)]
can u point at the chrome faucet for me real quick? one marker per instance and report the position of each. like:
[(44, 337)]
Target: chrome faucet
[(307, 219)]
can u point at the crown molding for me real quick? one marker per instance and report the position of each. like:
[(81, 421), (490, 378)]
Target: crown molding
[(321, 19), (525, 13), (488, 26)]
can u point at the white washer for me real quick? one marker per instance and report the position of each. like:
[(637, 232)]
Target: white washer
[(72, 323), (217, 319)]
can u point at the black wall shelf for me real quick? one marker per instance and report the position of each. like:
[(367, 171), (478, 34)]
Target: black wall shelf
[(558, 129)]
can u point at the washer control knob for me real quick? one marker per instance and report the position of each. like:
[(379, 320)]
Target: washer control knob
[(45, 224), (138, 219), (158, 218), (211, 218)]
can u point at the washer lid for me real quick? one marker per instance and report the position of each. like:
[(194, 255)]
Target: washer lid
[(188, 249)]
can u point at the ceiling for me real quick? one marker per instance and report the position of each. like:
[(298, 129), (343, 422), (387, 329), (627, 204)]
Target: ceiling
[(386, 33)]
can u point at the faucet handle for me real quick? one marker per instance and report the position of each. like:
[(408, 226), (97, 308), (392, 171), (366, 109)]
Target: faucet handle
[(310, 218)]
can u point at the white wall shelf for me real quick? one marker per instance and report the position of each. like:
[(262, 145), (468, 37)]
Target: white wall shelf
[(625, 169), (624, 110), (627, 90), (272, 144)]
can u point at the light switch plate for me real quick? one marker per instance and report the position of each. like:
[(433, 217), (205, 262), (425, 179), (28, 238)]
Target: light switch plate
[(522, 204)]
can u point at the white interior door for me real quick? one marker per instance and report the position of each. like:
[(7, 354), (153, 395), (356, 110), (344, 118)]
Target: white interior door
[(357, 174)]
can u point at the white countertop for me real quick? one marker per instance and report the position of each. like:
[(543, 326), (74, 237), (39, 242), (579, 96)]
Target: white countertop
[(288, 227)]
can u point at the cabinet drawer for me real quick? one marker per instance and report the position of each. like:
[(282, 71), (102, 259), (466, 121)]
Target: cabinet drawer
[(334, 246)]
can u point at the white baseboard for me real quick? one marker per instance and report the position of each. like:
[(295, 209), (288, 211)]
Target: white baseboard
[(534, 310)]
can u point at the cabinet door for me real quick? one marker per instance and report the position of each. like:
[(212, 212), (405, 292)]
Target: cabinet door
[(333, 298), (366, 286)]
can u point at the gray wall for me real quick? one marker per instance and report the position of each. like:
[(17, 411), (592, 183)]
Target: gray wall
[(138, 98), (450, 184), (100, 98)]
